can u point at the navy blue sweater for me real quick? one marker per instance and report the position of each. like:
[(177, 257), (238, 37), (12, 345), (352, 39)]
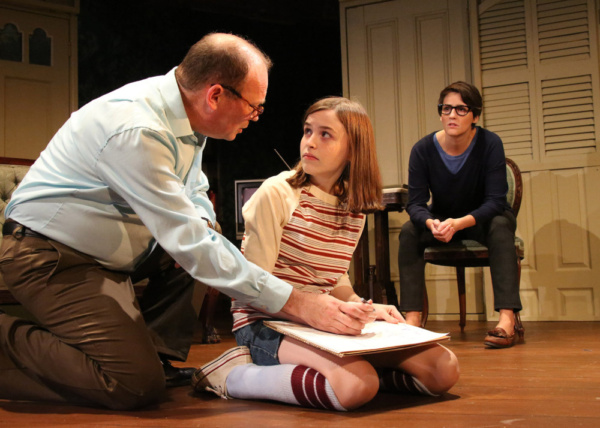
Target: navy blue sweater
[(479, 188)]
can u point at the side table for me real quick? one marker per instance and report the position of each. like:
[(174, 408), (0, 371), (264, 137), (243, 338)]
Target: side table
[(367, 282)]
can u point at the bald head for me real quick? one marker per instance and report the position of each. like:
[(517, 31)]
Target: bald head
[(220, 58)]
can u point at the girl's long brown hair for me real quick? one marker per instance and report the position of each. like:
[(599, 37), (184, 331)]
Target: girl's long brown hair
[(359, 186)]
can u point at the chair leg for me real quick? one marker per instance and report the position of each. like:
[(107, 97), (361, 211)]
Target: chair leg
[(425, 312), (460, 279)]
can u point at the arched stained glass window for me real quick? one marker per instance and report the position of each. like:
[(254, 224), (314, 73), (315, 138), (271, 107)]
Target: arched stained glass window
[(40, 48), (11, 43)]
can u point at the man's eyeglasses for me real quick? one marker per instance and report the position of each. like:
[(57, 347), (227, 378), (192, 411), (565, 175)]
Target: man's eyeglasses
[(258, 110), (446, 109)]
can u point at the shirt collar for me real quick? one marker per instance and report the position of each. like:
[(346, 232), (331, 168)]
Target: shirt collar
[(175, 111), (201, 140)]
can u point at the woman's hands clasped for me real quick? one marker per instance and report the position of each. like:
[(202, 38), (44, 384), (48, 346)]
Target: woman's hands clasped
[(442, 230)]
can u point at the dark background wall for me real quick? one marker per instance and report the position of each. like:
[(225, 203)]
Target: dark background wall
[(121, 41)]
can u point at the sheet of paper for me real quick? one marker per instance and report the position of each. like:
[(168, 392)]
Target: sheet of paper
[(376, 337)]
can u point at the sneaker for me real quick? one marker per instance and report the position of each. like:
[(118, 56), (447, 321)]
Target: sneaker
[(213, 376)]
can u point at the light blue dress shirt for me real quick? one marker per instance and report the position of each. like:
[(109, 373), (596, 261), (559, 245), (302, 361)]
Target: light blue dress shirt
[(123, 173)]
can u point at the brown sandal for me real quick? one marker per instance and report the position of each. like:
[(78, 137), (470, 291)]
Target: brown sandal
[(499, 338)]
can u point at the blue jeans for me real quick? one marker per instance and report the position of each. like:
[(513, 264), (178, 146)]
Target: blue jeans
[(262, 341)]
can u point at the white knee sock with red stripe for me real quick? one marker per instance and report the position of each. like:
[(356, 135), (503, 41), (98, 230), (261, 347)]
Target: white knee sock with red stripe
[(287, 383)]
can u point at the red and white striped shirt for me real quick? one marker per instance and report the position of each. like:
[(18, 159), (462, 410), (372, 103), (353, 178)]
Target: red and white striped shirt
[(302, 236)]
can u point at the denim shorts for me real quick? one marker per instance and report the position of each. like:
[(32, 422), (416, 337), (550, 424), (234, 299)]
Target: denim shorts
[(262, 341)]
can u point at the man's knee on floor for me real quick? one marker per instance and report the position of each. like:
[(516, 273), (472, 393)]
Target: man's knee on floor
[(140, 388)]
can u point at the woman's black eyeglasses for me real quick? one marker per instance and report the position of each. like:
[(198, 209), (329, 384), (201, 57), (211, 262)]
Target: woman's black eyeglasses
[(446, 109), (258, 110)]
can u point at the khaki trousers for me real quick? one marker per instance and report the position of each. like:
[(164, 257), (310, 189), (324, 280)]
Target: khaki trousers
[(90, 343)]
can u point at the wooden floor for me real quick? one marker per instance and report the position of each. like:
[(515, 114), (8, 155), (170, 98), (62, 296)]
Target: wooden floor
[(553, 380)]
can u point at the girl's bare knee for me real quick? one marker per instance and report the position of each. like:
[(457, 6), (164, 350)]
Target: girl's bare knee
[(356, 387), (358, 393), (445, 377)]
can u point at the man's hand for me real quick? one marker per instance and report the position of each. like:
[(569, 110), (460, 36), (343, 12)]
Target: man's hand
[(327, 313)]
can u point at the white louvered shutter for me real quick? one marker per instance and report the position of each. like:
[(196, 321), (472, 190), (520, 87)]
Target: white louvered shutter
[(539, 77)]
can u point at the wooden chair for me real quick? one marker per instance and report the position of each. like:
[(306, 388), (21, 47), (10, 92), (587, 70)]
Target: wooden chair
[(468, 253)]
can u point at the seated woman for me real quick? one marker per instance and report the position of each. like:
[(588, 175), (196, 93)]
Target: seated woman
[(463, 168), (303, 225)]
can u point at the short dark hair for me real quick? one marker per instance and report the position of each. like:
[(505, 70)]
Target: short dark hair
[(469, 94), (218, 58)]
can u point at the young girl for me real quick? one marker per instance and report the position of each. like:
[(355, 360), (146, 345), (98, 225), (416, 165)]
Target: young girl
[(303, 226)]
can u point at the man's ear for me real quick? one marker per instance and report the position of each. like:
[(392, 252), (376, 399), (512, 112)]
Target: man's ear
[(213, 95)]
